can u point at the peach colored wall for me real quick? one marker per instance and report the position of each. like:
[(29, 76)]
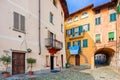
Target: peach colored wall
[(104, 28)]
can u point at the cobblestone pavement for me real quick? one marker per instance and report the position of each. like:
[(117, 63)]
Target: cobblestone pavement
[(102, 73), (78, 73)]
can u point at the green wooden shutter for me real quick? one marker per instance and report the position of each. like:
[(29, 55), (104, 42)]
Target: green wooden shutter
[(88, 27), (79, 43), (95, 21), (80, 29), (114, 16), (110, 17), (118, 9), (73, 43), (68, 45), (97, 37), (73, 31), (111, 35), (85, 43), (99, 20)]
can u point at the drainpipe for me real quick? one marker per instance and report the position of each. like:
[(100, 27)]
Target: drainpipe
[(39, 33)]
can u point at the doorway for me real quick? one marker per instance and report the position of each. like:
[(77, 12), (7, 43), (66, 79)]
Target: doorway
[(77, 60), (62, 60), (51, 62), (18, 63)]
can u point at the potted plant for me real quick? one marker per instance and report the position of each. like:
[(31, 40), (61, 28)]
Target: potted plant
[(31, 61), (6, 61)]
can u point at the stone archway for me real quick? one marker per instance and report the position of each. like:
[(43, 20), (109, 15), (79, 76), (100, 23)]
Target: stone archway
[(103, 56)]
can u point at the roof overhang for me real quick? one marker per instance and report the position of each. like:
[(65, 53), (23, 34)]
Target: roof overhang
[(65, 8), (87, 7)]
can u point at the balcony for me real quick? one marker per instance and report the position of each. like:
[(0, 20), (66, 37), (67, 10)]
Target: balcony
[(53, 43), (76, 36)]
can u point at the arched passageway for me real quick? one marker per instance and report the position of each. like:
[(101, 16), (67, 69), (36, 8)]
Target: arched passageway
[(103, 56)]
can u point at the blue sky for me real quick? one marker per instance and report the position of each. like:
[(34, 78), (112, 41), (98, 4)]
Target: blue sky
[(74, 5)]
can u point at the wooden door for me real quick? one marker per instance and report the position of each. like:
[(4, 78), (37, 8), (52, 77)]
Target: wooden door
[(18, 63), (77, 60)]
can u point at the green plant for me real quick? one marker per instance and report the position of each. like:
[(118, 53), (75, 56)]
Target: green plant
[(31, 61), (6, 61)]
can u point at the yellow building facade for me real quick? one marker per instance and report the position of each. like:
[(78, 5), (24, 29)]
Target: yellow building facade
[(79, 31)]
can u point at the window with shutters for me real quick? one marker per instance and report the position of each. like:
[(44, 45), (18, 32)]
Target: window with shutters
[(112, 17), (86, 27), (98, 38), (97, 21), (111, 36), (85, 43), (19, 22)]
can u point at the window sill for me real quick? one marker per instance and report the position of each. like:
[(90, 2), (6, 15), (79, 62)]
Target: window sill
[(98, 42), (19, 30), (52, 23), (112, 41)]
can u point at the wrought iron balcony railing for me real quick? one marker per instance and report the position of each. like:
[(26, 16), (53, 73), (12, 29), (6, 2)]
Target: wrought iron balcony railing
[(53, 43)]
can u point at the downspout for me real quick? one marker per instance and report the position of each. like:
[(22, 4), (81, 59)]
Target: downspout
[(39, 33)]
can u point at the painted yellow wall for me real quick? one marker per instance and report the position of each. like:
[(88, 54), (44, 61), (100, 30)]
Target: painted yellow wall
[(87, 53)]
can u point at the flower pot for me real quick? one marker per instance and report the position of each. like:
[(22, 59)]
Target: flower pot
[(31, 72), (6, 74)]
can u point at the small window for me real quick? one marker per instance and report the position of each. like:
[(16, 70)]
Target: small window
[(76, 18), (97, 21), (51, 18), (69, 20), (111, 36), (112, 17), (19, 22), (84, 15), (86, 27), (97, 11), (68, 45), (62, 28), (97, 38), (85, 43)]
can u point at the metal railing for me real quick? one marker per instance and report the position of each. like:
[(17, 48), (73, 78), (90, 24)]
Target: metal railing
[(49, 43)]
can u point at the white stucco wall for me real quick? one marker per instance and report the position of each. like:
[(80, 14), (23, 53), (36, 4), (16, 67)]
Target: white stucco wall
[(9, 39)]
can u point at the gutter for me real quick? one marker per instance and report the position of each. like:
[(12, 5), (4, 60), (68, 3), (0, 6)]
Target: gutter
[(39, 29)]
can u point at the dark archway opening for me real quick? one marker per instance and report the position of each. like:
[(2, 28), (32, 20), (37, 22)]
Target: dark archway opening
[(103, 57)]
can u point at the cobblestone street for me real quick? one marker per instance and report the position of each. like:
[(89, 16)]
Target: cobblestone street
[(74, 73), (102, 73)]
